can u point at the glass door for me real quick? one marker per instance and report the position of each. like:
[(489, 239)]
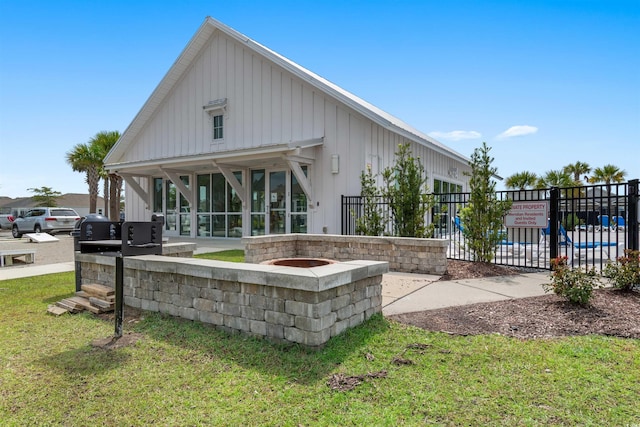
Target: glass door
[(185, 211), (277, 202), (171, 208), (258, 207), (298, 206)]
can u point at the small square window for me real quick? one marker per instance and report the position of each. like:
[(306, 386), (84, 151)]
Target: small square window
[(217, 127)]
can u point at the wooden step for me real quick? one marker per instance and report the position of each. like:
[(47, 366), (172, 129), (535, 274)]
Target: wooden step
[(97, 290), (56, 311), (69, 306), (85, 304), (101, 304)]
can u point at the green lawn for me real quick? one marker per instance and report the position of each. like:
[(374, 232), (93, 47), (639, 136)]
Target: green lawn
[(232, 255), (185, 373)]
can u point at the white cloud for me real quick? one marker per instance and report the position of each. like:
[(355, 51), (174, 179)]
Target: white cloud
[(456, 135), (518, 131)]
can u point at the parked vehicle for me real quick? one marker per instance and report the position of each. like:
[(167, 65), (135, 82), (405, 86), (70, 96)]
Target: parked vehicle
[(50, 220), (8, 215), (6, 221)]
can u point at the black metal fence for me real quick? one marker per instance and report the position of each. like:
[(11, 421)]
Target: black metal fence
[(590, 225)]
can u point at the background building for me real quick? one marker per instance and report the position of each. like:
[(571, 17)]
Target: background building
[(238, 140)]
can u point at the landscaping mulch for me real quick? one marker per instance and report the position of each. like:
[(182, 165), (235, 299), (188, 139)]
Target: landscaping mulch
[(610, 312)]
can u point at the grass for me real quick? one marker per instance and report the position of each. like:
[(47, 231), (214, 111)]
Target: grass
[(186, 373), (232, 255)]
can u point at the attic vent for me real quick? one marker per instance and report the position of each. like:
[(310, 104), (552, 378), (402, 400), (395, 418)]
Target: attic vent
[(215, 106)]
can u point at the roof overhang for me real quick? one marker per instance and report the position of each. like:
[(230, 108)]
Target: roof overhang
[(251, 157)]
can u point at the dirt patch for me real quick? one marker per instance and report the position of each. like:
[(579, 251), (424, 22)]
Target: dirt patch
[(611, 312), (111, 343), (457, 270), (343, 382)]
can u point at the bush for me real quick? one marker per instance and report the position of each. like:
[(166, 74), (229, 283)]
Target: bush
[(574, 284), (625, 273), (572, 221)]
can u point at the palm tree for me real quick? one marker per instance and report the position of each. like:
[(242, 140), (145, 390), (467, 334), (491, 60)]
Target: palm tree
[(577, 169), (521, 180), (555, 178), (608, 174), (85, 158), (103, 142)]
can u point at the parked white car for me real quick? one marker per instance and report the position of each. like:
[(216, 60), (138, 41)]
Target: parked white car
[(6, 221), (50, 220)]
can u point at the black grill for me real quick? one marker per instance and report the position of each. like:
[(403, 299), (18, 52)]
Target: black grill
[(107, 237)]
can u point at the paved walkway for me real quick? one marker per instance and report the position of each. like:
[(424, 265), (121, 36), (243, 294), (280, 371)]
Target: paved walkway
[(420, 292), (401, 292)]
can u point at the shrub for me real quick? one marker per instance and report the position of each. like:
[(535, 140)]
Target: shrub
[(483, 217), (572, 221), (371, 222), (407, 193), (574, 284), (625, 273)]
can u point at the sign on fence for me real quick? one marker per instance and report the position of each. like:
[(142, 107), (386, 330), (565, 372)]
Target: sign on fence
[(528, 215)]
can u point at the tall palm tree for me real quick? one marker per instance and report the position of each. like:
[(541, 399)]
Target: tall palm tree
[(521, 180), (608, 174), (555, 178), (578, 170), (85, 158), (104, 142)]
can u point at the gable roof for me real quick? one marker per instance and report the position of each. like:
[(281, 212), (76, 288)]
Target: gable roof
[(190, 52)]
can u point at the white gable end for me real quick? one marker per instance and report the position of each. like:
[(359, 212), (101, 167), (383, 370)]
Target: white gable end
[(265, 105)]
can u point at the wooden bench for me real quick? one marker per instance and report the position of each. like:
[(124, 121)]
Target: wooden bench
[(7, 256)]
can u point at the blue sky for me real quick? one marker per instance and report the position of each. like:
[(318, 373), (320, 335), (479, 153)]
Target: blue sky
[(544, 83)]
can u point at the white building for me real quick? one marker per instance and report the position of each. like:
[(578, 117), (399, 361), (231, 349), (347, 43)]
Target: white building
[(242, 141)]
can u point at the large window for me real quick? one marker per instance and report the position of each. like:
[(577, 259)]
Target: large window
[(219, 206)]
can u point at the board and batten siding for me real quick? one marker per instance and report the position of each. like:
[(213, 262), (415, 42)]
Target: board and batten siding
[(265, 106)]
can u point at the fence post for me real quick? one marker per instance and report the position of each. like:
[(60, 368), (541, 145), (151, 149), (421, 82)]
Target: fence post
[(554, 194), (342, 214), (633, 218)]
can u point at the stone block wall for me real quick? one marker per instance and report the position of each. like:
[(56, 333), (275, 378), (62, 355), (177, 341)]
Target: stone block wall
[(404, 254), (288, 304)]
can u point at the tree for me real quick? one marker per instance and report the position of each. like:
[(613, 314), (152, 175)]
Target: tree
[(371, 222), (608, 174), (521, 180), (104, 142), (45, 196), (578, 170), (483, 217), (556, 178), (86, 158), (407, 193)]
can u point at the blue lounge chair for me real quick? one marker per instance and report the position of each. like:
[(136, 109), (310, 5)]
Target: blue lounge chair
[(458, 224), (587, 245), (619, 222), (604, 223)]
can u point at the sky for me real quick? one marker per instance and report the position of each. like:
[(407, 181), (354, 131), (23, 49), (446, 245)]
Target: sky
[(543, 83)]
